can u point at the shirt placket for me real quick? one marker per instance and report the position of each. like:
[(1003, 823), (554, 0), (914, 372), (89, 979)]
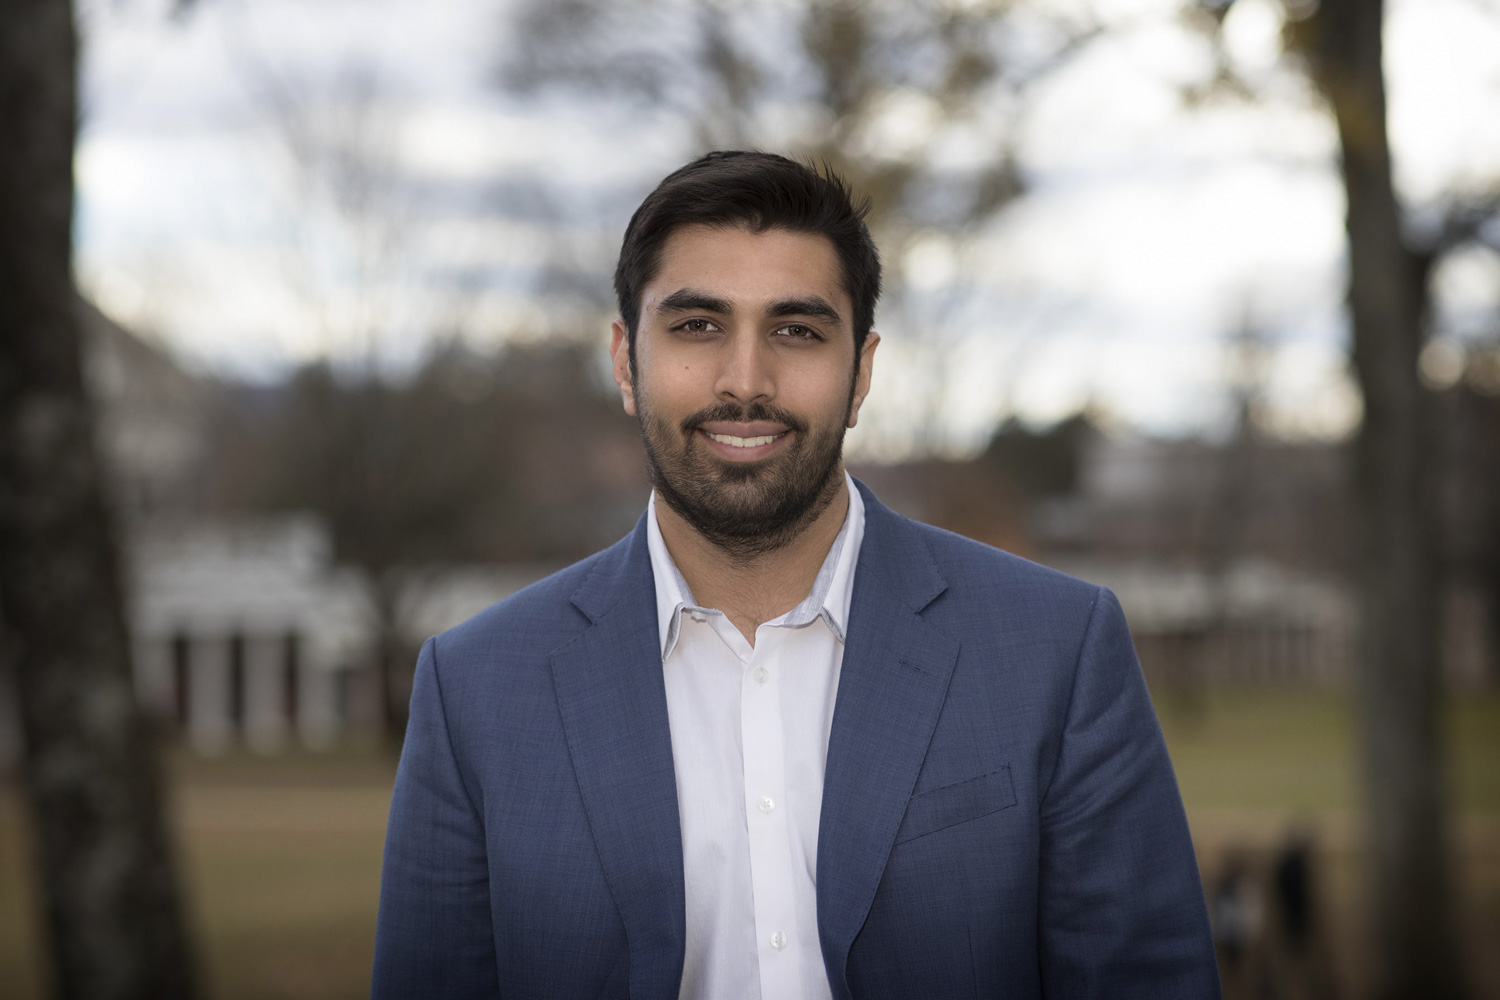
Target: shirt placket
[(766, 815)]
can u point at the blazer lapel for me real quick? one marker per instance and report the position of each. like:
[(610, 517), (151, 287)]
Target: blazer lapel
[(892, 686), (613, 702)]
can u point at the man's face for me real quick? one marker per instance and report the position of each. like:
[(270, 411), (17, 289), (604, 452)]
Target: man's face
[(744, 381)]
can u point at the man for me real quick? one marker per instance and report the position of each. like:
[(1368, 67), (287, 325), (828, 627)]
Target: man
[(781, 742)]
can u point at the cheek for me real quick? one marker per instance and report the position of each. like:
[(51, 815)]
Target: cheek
[(670, 390), (821, 392)]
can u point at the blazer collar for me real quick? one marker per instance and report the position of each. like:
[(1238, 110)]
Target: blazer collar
[(613, 702), (894, 550), (617, 574), (892, 686)]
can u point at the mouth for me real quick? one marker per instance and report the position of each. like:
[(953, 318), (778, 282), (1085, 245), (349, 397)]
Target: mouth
[(744, 442), (743, 448)]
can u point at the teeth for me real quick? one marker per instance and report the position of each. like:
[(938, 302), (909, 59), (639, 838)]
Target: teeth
[(739, 442)]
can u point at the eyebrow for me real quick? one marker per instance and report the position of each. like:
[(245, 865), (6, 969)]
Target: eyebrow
[(691, 300), (688, 300), (814, 306)]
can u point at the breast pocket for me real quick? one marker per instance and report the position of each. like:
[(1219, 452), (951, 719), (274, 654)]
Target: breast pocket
[(959, 802)]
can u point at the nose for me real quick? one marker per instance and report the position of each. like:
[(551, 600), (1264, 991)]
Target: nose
[(746, 369)]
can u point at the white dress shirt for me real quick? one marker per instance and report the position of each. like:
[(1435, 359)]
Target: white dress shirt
[(750, 732)]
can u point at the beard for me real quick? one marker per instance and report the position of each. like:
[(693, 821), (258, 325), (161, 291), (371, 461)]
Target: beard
[(744, 509)]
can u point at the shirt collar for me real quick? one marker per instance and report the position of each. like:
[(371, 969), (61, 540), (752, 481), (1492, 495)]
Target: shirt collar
[(829, 598)]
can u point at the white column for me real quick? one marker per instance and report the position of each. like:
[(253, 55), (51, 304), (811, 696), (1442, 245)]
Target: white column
[(317, 703), (209, 727), (265, 693)]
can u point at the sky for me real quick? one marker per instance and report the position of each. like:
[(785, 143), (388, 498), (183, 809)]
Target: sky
[(1149, 235)]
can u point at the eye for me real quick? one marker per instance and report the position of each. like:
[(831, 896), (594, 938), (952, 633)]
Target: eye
[(799, 331), (698, 326)]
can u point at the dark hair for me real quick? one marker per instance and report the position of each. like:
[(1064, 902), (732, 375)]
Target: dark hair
[(759, 191)]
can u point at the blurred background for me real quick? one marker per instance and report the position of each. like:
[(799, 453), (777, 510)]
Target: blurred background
[(342, 274)]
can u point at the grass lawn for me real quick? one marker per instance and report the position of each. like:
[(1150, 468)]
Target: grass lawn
[(281, 865), (282, 856), (1254, 766)]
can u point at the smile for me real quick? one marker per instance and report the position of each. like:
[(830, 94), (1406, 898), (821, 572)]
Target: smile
[(744, 442)]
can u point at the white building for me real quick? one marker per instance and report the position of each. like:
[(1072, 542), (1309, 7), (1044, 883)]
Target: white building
[(243, 629), (245, 632)]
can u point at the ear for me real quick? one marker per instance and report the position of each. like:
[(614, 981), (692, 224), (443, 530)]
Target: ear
[(862, 380), (619, 352)]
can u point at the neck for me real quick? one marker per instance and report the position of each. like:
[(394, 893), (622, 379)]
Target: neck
[(753, 589)]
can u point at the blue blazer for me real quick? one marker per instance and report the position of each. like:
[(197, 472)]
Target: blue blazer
[(999, 819)]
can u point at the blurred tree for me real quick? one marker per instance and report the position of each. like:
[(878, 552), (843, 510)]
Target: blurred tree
[(519, 457), (1469, 426), (991, 497), (354, 261), (918, 105), (354, 267), (1391, 254), (91, 774)]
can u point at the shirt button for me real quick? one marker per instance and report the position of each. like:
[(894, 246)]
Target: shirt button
[(697, 616), (766, 805), (778, 940), (760, 674)]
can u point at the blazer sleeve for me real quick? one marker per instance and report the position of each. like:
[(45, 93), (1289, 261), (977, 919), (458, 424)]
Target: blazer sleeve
[(1121, 907), (433, 935)]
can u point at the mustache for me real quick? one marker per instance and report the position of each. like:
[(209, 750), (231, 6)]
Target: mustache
[(754, 412)]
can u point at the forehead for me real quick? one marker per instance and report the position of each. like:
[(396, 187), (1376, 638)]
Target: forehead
[(749, 268)]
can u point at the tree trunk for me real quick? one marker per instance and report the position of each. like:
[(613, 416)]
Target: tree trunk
[(92, 779), (1415, 949)]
